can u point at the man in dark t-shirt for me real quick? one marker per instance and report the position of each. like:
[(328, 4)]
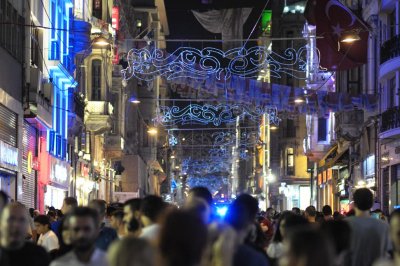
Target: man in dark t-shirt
[(15, 251)]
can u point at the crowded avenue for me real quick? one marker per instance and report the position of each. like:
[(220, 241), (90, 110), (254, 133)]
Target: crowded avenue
[(199, 132)]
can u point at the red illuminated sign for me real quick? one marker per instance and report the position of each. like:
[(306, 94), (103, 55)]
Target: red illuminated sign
[(115, 18)]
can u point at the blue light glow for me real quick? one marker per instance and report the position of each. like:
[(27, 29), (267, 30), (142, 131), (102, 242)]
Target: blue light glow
[(221, 211)]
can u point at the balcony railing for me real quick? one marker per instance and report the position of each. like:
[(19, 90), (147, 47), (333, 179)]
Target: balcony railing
[(99, 108), (390, 119), (390, 49)]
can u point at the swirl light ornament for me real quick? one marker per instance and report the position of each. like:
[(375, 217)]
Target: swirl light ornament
[(146, 64), (213, 114)]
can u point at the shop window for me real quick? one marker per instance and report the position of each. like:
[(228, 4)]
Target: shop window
[(322, 129), (96, 80), (290, 161)]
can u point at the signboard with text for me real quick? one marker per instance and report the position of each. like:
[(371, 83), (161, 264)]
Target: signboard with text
[(8, 156)]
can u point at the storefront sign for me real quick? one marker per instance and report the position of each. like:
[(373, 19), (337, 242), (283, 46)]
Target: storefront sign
[(59, 172), (32, 162), (115, 18), (8, 156)]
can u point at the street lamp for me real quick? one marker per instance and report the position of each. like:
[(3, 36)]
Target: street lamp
[(152, 131), (350, 36), (100, 41)]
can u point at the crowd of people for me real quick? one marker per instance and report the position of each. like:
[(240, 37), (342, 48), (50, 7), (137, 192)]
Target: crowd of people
[(151, 232)]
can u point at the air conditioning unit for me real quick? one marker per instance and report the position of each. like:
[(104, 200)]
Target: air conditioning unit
[(36, 79)]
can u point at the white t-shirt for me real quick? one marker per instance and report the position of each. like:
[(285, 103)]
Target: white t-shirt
[(49, 241)]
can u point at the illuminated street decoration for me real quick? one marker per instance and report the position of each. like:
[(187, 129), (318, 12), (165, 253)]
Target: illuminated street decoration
[(172, 140), (205, 166), (213, 183), (213, 114), (205, 63), (229, 139)]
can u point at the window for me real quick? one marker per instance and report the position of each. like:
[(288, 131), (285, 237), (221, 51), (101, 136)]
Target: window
[(290, 129), (96, 80), (97, 8), (322, 129), (392, 24), (290, 161), (392, 92)]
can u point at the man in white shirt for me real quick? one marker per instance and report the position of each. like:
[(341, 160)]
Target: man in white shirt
[(48, 239), (84, 227)]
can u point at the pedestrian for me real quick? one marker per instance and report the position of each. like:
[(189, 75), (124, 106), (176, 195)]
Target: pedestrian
[(287, 223), (183, 239), (64, 241), (327, 213), (241, 216), (69, 204), (337, 216), (151, 209), (201, 194), (107, 234), (3, 200), (394, 260), (311, 214), (296, 210), (84, 224), (132, 210), (370, 237), (117, 223), (339, 232), (15, 250), (307, 247), (52, 216), (47, 239), (131, 251)]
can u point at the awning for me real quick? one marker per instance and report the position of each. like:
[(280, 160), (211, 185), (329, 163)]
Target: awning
[(333, 157)]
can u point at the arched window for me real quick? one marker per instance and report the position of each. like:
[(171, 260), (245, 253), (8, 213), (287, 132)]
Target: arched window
[(96, 80)]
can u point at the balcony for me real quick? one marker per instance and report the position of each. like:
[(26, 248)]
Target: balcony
[(390, 123), (349, 124), (390, 56), (39, 110), (98, 116)]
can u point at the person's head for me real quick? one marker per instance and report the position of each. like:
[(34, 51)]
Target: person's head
[(13, 226), (31, 212), (199, 207), (100, 206), (241, 215), (117, 220), (270, 213), (151, 209), (202, 193), (131, 251), (290, 222), (84, 228), (395, 229), (42, 224), (69, 204), (52, 216), (363, 200), (296, 210), (339, 233), (183, 239), (133, 227), (327, 210), (337, 216), (307, 247), (310, 213), (3, 200), (131, 209), (59, 214)]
